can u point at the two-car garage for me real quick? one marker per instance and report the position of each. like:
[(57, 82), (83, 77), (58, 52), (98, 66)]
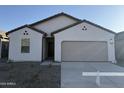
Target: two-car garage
[(95, 43), (84, 51)]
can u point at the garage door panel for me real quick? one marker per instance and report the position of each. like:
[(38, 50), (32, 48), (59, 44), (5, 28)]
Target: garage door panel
[(84, 51)]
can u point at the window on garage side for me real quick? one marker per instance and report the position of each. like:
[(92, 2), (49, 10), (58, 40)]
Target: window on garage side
[(25, 45)]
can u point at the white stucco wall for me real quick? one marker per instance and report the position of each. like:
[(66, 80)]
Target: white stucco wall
[(91, 34), (55, 24), (35, 45)]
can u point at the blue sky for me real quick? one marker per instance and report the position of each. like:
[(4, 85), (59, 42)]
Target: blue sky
[(111, 17)]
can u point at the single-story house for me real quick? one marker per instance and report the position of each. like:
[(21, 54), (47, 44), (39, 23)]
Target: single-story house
[(119, 46), (62, 37)]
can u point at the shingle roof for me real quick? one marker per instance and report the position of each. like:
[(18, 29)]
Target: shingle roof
[(59, 30)]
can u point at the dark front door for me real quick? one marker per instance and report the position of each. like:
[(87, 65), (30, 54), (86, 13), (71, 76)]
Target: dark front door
[(50, 47)]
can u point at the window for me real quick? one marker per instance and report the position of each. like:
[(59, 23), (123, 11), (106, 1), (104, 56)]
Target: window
[(25, 45)]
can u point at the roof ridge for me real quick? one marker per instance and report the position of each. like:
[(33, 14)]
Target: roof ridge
[(56, 15)]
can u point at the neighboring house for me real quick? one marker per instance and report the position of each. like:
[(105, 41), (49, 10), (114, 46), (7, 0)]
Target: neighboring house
[(119, 46), (63, 38), (3, 45)]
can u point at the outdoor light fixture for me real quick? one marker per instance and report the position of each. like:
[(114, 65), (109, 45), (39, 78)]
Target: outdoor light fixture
[(111, 42)]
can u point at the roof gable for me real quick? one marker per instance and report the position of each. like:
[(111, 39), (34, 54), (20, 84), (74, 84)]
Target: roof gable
[(96, 25), (27, 27), (86, 21), (54, 16)]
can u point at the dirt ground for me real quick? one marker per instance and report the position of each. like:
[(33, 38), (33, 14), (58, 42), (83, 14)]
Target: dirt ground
[(29, 75)]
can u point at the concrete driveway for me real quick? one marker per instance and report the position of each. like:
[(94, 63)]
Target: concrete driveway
[(71, 75)]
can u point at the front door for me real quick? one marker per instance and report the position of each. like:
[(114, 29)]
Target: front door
[(50, 47)]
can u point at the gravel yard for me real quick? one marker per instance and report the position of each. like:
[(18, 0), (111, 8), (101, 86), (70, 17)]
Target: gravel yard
[(29, 75)]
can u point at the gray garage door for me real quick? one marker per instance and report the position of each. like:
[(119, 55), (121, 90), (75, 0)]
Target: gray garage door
[(84, 51)]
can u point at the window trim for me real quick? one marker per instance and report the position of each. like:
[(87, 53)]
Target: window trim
[(22, 46)]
